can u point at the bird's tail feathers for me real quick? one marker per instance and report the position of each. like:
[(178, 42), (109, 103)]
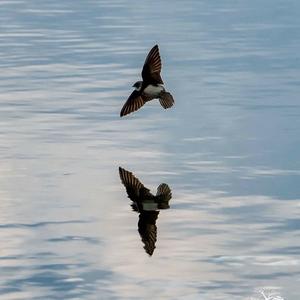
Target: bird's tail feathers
[(164, 191), (166, 100)]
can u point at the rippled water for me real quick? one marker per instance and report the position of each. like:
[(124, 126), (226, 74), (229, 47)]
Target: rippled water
[(229, 149)]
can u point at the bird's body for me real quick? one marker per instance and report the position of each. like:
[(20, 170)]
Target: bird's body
[(150, 88), (154, 90)]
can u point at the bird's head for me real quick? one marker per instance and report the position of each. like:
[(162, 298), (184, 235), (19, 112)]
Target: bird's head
[(138, 85)]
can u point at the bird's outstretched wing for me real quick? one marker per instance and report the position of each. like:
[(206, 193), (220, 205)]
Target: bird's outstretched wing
[(148, 229), (133, 103), (132, 184), (152, 67)]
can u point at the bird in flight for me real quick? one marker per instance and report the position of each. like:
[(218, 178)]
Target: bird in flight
[(150, 88), (147, 205)]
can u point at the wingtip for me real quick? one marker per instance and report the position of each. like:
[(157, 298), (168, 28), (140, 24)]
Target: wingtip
[(156, 47), (122, 113), (121, 174)]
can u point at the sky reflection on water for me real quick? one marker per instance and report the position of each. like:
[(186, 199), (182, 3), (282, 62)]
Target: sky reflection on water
[(228, 149)]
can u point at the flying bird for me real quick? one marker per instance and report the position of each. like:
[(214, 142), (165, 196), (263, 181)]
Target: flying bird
[(147, 205), (150, 88)]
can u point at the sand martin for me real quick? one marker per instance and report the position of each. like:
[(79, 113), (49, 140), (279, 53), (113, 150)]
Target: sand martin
[(147, 205), (150, 88)]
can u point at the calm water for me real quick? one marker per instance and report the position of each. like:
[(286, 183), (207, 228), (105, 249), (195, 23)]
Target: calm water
[(229, 149)]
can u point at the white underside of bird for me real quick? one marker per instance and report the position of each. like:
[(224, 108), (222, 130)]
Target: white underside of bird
[(154, 90)]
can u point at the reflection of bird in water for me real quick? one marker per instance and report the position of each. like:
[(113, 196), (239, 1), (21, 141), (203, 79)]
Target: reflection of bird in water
[(147, 205), (150, 88)]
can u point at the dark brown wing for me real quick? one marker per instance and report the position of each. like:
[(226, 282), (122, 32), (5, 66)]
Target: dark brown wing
[(133, 103), (152, 67), (132, 184), (148, 229)]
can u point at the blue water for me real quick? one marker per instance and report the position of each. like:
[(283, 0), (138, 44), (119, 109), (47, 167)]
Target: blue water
[(229, 149)]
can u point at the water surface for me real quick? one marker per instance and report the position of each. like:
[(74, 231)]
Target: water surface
[(229, 149)]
